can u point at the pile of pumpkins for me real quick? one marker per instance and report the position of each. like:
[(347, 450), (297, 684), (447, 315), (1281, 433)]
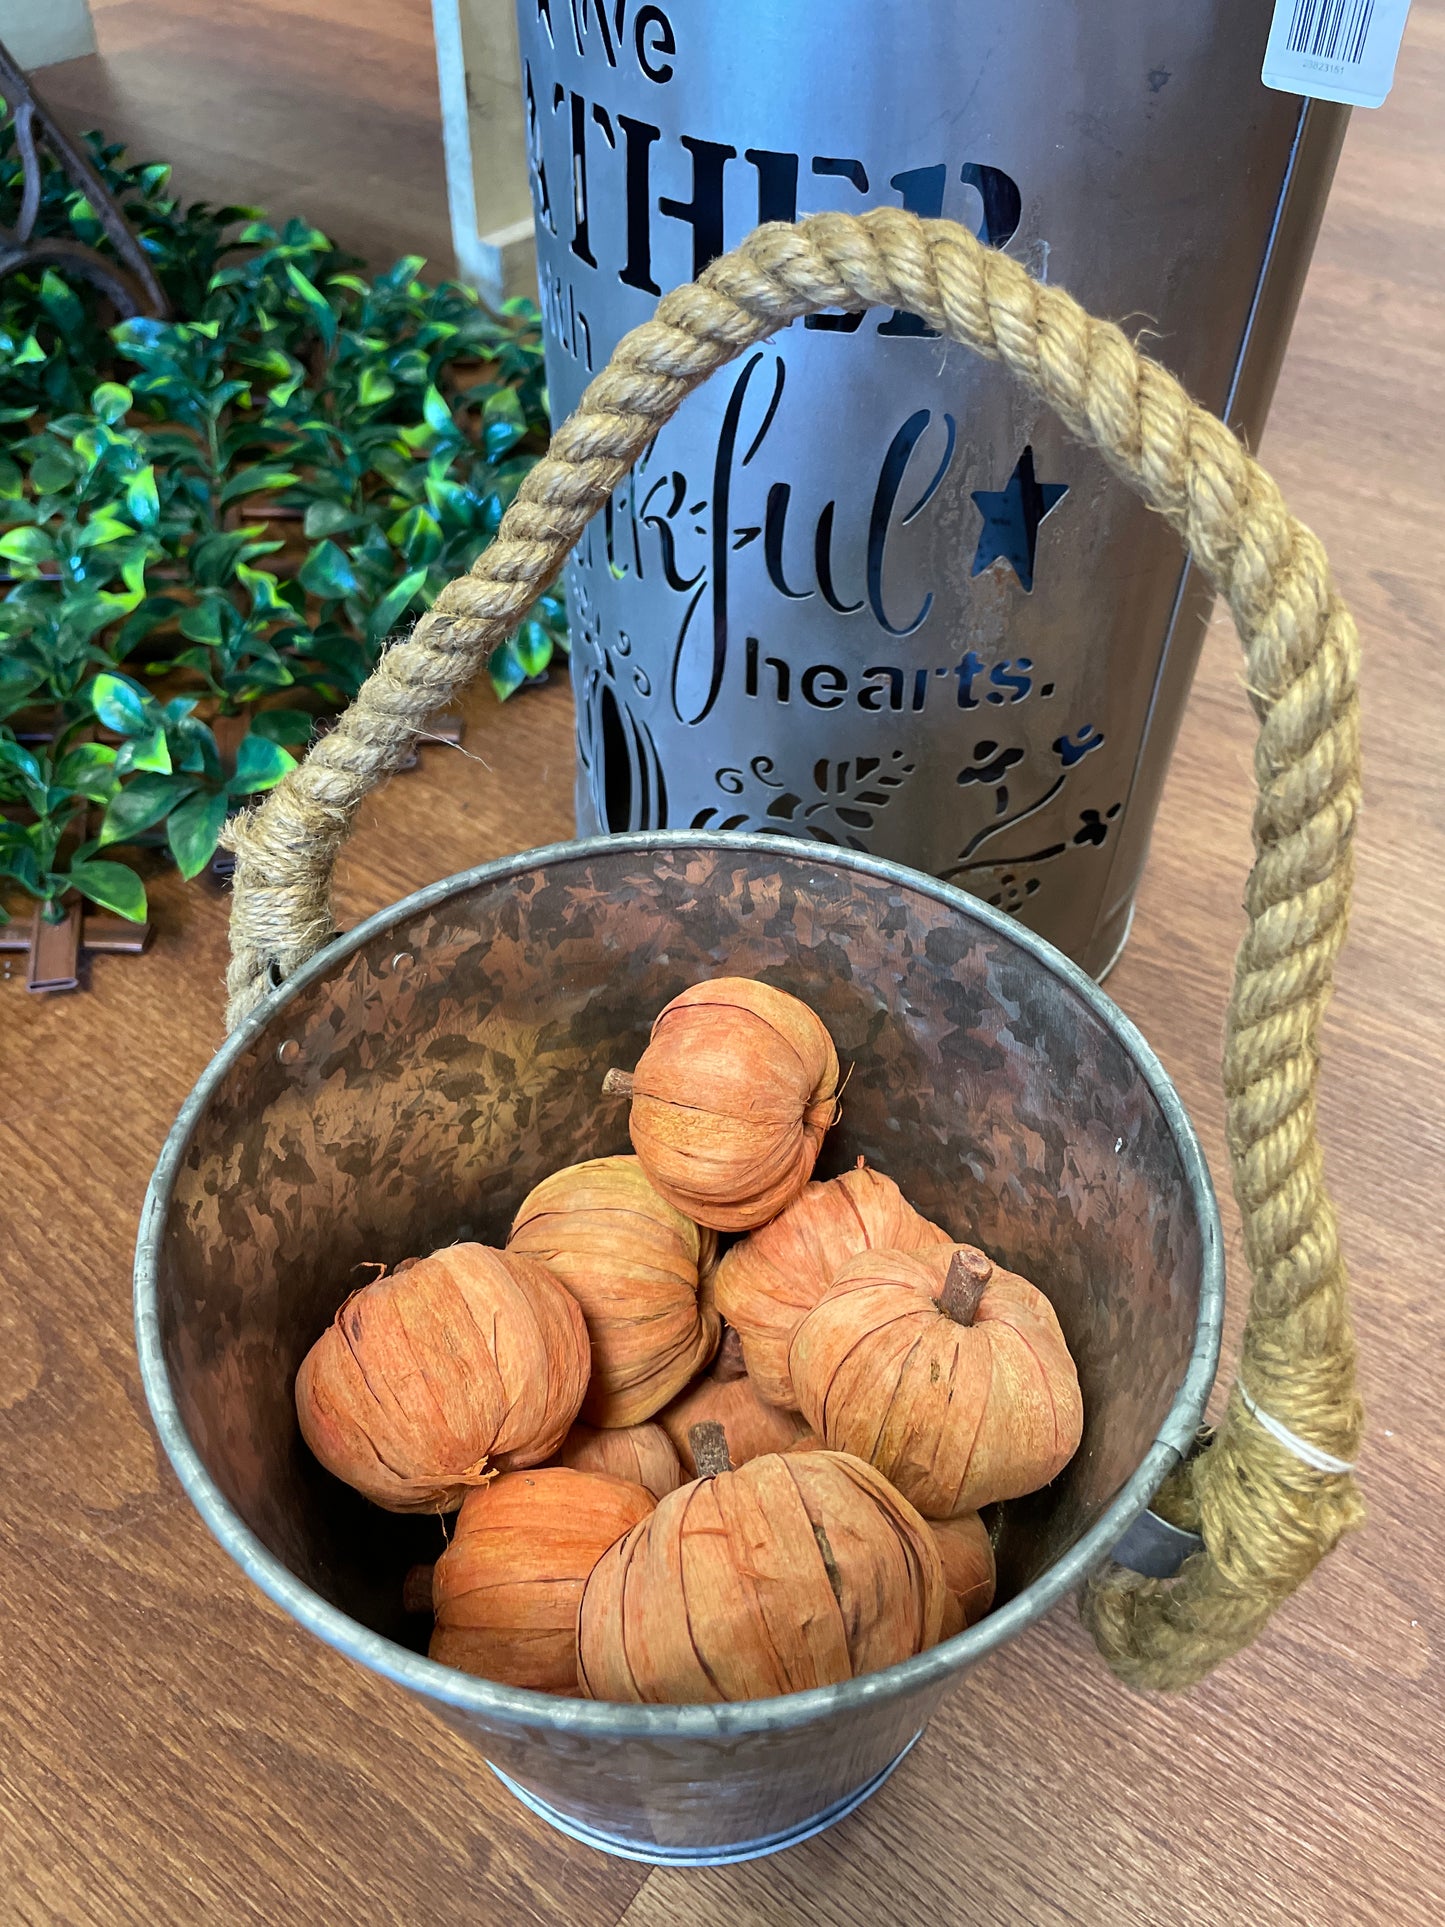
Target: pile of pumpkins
[(657, 1506)]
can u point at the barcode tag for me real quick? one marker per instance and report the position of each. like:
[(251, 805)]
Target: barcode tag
[(1341, 50)]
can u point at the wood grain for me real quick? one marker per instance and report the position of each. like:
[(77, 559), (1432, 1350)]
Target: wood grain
[(172, 1750), (320, 108)]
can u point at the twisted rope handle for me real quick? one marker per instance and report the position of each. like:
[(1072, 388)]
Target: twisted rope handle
[(1266, 1516)]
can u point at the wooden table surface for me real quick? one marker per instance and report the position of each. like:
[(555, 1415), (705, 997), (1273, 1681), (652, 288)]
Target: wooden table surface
[(174, 1750)]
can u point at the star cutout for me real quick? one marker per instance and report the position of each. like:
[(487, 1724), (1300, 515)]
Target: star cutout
[(1011, 518)]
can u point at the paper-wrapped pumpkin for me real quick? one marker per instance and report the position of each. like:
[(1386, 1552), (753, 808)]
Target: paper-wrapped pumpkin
[(948, 1373), (727, 1395), (461, 1364), (642, 1454), (507, 1589), (730, 1101), (634, 1264), (769, 1282), (968, 1570), (788, 1573)]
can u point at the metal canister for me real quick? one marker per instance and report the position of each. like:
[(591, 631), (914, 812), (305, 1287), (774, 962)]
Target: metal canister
[(452, 1049), (861, 590)]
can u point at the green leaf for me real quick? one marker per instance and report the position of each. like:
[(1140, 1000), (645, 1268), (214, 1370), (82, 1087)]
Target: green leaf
[(142, 503), (291, 727), (196, 748), (29, 351), (265, 361), (205, 621), (17, 859), (410, 367), (227, 391), (140, 804), (450, 501), (533, 647), (506, 672), (215, 557), (102, 529), (257, 481), (320, 308), (438, 414), (52, 471), (193, 828), (261, 673), (112, 401), (499, 437), (327, 573), (330, 518), (150, 614), (113, 886), (266, 601), (89, 770), (375, 387), (151, 751), (27, 546), (140, 336), (393, 605), (403, 270), (504, 424), (21, 762), (12, 480), (120, 704), (281, 394), (62, 305), (260, 765), (418, 536), (133, 574), (17, 681), (90, 444)]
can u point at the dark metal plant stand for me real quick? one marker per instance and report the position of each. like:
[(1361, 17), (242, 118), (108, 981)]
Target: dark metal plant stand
[(55, 950), (130, 281)]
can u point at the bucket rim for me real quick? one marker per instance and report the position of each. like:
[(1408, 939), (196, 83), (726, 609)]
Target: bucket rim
[(524, 1711)]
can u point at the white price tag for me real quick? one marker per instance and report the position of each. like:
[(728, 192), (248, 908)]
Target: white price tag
[(1335, 49)]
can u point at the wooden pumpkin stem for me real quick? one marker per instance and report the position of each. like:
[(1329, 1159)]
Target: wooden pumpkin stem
[(709, 1443), (968, 1273), (416, 1593), (729, 1363), (617, 1084)]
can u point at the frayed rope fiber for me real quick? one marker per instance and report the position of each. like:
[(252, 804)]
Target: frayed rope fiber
[(1266, 1516)]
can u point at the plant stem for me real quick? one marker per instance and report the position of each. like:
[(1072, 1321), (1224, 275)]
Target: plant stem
[(709, 1445), (968, 1273), (213, 478), (617, 1084)]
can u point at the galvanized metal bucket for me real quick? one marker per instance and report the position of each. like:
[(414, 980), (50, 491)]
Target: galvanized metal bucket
[(409, 1084), (867, 591)]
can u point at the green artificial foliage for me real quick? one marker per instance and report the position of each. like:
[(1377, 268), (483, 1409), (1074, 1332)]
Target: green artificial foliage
[(228, 515)]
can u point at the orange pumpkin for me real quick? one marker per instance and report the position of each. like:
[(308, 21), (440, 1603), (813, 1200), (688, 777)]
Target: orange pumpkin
[(507, 1589), (642, 1454), (767, 1284), (727, 1394), (633, 1263), (425, 1383), (948, 1373), (788, 1573), (968, 1570), (730, 1101)]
